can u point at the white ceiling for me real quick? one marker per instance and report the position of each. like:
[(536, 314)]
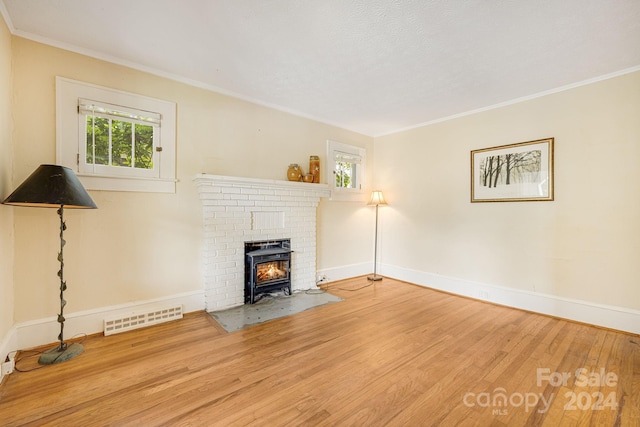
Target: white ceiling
[(373, 66)]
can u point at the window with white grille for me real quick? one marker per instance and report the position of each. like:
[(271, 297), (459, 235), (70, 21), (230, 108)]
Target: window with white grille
[(346, 165)]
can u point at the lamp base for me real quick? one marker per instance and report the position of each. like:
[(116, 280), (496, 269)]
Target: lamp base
[(374, 278), (54, 355)]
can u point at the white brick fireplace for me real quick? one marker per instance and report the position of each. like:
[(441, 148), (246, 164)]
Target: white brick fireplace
[(238, 210)]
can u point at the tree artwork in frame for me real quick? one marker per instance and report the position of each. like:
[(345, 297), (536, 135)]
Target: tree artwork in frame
[(513, 173)]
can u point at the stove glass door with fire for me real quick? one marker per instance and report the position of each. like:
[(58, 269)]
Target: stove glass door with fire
[(269, 270)]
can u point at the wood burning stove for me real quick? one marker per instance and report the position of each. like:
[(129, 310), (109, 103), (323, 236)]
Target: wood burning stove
[(267, 268)]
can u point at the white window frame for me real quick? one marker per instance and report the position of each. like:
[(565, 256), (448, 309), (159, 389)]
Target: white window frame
[(71, 138), (334, 150)]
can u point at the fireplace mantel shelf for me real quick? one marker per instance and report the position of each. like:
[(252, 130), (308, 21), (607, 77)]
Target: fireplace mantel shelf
[(206, 179)]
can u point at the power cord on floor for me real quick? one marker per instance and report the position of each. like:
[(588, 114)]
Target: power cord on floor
[(357, 289), (33, 353), (29, 354), (326, 285)]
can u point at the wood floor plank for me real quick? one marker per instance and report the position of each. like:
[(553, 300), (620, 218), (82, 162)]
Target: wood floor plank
[(390, 353)]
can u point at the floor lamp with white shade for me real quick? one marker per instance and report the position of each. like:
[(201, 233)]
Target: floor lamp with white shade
[(377, 199)]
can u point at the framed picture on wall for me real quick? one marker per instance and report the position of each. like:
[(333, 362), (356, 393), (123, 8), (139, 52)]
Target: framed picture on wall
[(513, 173)]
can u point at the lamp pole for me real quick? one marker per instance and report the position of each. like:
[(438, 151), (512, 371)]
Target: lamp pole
[(377, 199), (64, 351), (63, 284), (375, 277)]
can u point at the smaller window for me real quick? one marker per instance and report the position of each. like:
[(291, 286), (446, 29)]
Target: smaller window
[(346, 166)]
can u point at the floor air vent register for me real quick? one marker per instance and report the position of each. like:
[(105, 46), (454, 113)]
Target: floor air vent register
[(142, 319)]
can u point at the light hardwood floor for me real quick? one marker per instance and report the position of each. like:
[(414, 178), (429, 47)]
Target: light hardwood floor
[(388, 354)]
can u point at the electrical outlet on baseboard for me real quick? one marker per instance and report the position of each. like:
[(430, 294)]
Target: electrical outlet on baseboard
[(7, 368)]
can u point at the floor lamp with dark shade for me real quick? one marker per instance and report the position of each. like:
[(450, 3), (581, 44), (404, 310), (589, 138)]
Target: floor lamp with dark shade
[(377, 199), (53, 186)]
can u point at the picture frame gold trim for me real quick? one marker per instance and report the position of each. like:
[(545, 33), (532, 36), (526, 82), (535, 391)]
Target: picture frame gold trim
[(521, 172)]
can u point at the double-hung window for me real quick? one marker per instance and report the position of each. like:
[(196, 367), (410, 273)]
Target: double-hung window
[(115, 140), (346, 170)]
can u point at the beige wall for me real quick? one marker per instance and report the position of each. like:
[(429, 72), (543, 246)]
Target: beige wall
[(584, 245), (139, 246), (6, 170)]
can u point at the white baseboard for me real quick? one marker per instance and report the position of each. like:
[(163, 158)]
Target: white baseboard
[(40, 332), (346, 272), (607, 316), (45, 331)]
